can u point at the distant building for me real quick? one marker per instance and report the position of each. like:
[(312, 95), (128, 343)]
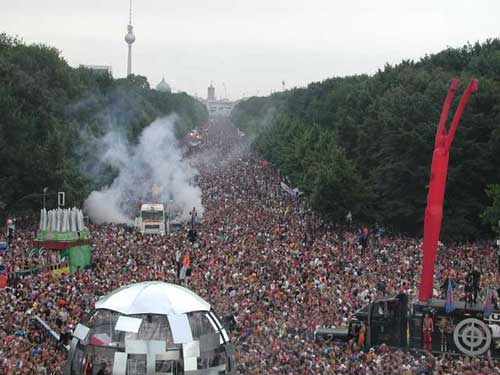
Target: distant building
[(221, 107), (105, 69), (163, 86), (211, 93), (218, 107)]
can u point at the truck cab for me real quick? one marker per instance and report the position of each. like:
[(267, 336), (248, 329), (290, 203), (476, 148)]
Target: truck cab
[(386, 321), (398, 322), (151, 219)]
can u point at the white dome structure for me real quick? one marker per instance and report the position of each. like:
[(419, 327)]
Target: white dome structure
[(151, 328), (153, 297), (163, 86)]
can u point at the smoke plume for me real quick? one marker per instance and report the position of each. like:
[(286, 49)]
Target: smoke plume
[(152, 170)]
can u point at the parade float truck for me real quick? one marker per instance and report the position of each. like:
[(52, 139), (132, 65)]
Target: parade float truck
[(151, 219), (64, 231), (456, 327), (398, 322)]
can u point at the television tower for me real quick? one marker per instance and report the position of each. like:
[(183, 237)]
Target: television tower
[(130, 38)]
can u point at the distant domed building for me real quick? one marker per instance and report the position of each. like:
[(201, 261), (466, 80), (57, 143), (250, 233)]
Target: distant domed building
[(163, 86)]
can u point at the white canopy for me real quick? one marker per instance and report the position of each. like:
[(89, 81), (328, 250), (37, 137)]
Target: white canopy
[(153, 297)]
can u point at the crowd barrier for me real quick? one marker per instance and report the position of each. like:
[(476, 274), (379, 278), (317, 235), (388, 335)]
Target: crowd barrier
[(56, 269), (40, 324)]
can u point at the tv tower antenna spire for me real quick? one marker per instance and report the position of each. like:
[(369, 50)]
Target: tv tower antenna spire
[(130, 14), (130, 39)]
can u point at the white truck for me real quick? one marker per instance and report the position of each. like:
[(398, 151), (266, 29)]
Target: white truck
[(151, 219)]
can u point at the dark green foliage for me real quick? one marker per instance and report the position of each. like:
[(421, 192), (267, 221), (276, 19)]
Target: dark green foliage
[(491, 215), (257, 113), (311, 158), (368, 140), (50, 112)]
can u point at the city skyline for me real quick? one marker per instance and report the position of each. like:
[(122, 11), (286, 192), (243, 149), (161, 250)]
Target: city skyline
[(249, 48)]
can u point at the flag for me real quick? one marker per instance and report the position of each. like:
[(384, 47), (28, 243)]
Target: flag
[(4, 281), (449, 306), (488, 305)]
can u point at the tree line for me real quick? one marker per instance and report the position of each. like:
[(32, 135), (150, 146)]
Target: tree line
[(364, 143), (48, 113)]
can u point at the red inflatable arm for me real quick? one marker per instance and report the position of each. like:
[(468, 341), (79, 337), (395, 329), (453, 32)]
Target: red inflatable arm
[(446, 108), (437, 184), (473, 86)]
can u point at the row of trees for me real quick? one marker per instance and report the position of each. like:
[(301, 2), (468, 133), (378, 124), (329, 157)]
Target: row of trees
[(364, 143), (49, 112)]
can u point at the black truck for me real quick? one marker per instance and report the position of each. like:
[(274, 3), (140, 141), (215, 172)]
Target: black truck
[(398, 322)]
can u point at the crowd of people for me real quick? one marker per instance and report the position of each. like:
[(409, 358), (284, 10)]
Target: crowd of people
[(262, 256)]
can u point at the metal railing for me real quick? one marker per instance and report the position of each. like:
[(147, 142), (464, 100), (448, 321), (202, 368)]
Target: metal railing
[(49, 332), (16, 276)]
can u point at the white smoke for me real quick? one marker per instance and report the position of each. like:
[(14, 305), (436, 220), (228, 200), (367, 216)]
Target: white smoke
[(155, 163)]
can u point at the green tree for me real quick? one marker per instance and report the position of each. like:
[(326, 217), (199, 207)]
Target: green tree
[(384, 127), (491, 215), (50, 112)]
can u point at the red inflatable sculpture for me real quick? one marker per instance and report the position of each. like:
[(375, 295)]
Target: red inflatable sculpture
[(437, 184)]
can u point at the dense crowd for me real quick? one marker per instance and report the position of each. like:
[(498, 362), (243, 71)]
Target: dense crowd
[(261, 256)]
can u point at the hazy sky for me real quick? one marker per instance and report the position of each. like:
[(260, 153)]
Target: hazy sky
[(249, 46)]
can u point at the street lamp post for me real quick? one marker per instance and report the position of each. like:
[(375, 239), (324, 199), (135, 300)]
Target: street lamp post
[(498, 246), (169, 213), (44, 194)]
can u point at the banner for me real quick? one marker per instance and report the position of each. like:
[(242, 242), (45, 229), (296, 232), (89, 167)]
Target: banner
[(61, 270), (4, 280), (449, 305), (488, 305), (4, 246), (80, 257), (293, 192)]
